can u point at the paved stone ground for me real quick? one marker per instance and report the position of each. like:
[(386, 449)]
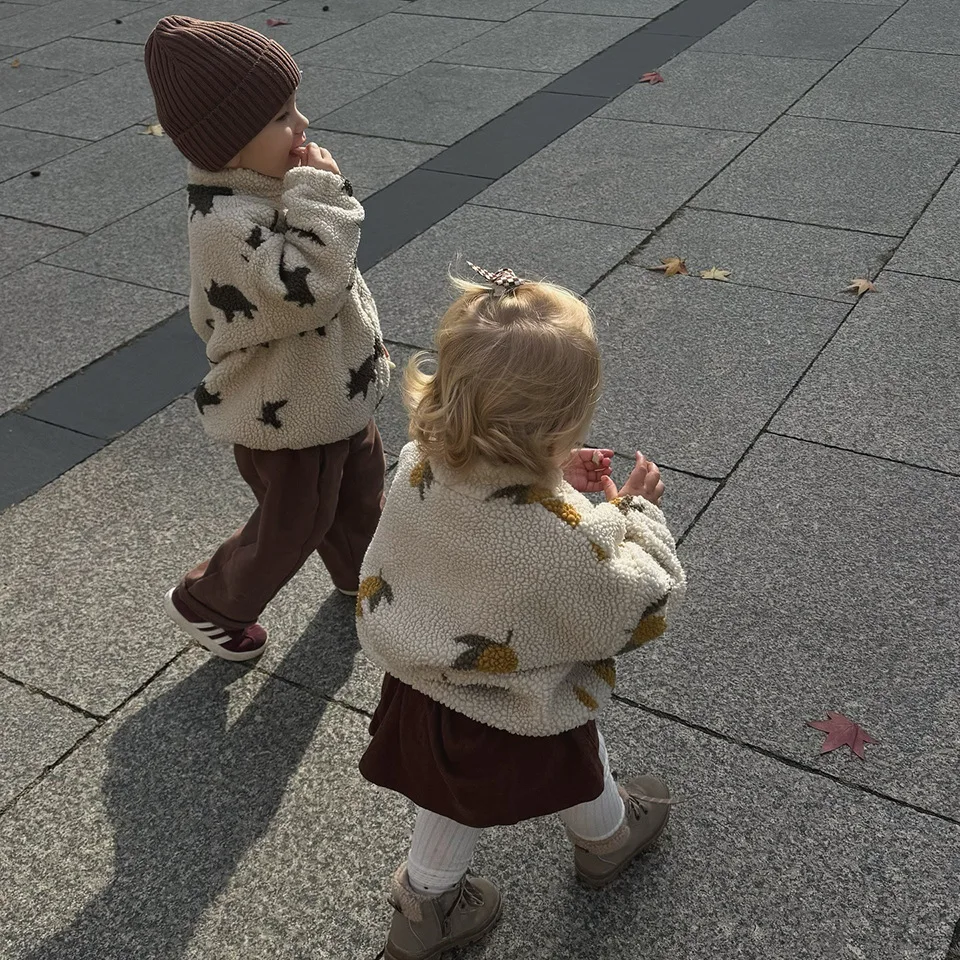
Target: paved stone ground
[(157, 804)]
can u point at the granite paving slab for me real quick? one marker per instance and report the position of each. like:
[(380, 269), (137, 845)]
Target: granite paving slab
[(391, 416), (932, 247), (759, 860), (371, 162), (136, 24), (36, 733), (888, 383), (325, 89), (82, 56), (821, 580), (72, 192), (22, 243), (9, 9), (774, 254), (428, 103), (471, 9), (148, 247), (835, 174), (550, 41), (7, 51), (232, 795), (78, 110), (610, 8), (302, 33), (720, 90), (44, 24), (622, 183), (715, 361), (24, 83), (900, 88), (797, 28), (34, 453), (398, 43), (361, 11), (928, 26), (69, 319), (412, 288)]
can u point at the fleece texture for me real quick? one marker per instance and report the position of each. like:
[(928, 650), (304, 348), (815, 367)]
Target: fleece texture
[(507, 598), (291, 329)]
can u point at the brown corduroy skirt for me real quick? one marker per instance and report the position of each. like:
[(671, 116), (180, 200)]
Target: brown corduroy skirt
[(472, 773)]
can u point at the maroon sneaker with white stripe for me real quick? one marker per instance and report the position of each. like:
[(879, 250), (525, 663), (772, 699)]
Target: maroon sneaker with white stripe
[(242, 644)]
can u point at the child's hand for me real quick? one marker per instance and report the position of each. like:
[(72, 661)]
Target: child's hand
[(317, 157), (644, 481), (586, 468)]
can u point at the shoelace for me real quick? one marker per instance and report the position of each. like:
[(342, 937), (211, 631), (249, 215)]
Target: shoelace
[(469, 897)]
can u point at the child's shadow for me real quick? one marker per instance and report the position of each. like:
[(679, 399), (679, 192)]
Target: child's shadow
[(187, 798)]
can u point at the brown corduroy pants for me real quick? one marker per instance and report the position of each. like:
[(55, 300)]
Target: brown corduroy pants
[(325, 498)]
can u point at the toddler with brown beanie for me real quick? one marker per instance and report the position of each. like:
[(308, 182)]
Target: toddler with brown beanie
[(297, 362)]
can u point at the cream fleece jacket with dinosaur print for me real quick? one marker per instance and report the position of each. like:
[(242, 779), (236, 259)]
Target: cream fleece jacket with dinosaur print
[(507, 599), (292, 332)]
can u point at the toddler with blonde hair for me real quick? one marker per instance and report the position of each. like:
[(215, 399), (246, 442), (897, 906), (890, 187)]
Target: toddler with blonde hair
[(496, 596)]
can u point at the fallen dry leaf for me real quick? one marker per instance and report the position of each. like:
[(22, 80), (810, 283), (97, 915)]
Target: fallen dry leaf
[(859, 286), (154, 130), (670, 266), (14, 63), (715, 273), (277, 22), (652, 77), (842, 731)]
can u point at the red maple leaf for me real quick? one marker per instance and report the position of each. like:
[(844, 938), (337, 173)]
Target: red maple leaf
[(652, 77), (842, 731)]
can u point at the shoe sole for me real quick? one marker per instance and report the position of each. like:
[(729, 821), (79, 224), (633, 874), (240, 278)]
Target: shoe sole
[(598, 883), (388, 954), (199, 637)]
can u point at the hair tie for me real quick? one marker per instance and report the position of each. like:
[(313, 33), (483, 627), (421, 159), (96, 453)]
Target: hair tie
[(504, 280)]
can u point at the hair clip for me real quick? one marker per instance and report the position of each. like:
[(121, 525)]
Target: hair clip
[(504, 280)]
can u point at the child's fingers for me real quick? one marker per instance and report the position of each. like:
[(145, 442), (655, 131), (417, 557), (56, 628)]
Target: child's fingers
[(609, 488)]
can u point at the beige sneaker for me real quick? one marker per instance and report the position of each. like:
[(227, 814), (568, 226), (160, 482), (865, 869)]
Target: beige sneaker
[(646, 801), (425, 927)]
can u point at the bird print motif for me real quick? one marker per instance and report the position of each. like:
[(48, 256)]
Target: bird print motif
[(421, 476), (230, 300), (200, 198), (652, 624), (268, 415), (373, 589), (486, 655)]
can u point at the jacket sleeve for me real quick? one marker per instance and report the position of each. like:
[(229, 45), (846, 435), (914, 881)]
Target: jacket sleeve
[(263, 283), (635, 575)]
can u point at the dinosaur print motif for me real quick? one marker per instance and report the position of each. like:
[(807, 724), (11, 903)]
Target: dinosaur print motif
[(204, 398), (295, 281), (268, 415), (320, 332), (200, 198), (308, 235), (230, 300), (347, 187), (256, 237)]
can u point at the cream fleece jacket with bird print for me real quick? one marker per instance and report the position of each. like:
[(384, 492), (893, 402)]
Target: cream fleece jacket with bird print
[(291, 329), (506, 598)]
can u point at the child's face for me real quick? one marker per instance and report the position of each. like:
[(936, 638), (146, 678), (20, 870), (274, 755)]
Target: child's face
[(271, 151)]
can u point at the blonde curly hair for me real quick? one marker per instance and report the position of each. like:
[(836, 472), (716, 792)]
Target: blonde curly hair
[(515, 381)]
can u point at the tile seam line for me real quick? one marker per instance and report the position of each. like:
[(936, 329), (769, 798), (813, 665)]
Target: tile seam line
[(785, 760), (297, 685), (877, 123), (802, 223), (60, 701), (51, 423), (38, 780), (600, 102), (99, 276), (953, 474)]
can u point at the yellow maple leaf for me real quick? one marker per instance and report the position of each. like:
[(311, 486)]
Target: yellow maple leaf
[(153, 130), (670, 266), (859, 286), (715, 273)]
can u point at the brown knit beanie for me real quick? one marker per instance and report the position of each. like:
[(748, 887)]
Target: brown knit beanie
[(216, 85)]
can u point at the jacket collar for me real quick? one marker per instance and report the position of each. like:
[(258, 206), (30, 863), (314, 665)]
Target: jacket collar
[(239, 180)]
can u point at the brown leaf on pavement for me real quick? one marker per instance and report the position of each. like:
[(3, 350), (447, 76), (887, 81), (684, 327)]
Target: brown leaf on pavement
[(715, 273), (153, 130), (277, 22), (14, 63), (670, 266), (652, 77), (859, 286), (842, 732)]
